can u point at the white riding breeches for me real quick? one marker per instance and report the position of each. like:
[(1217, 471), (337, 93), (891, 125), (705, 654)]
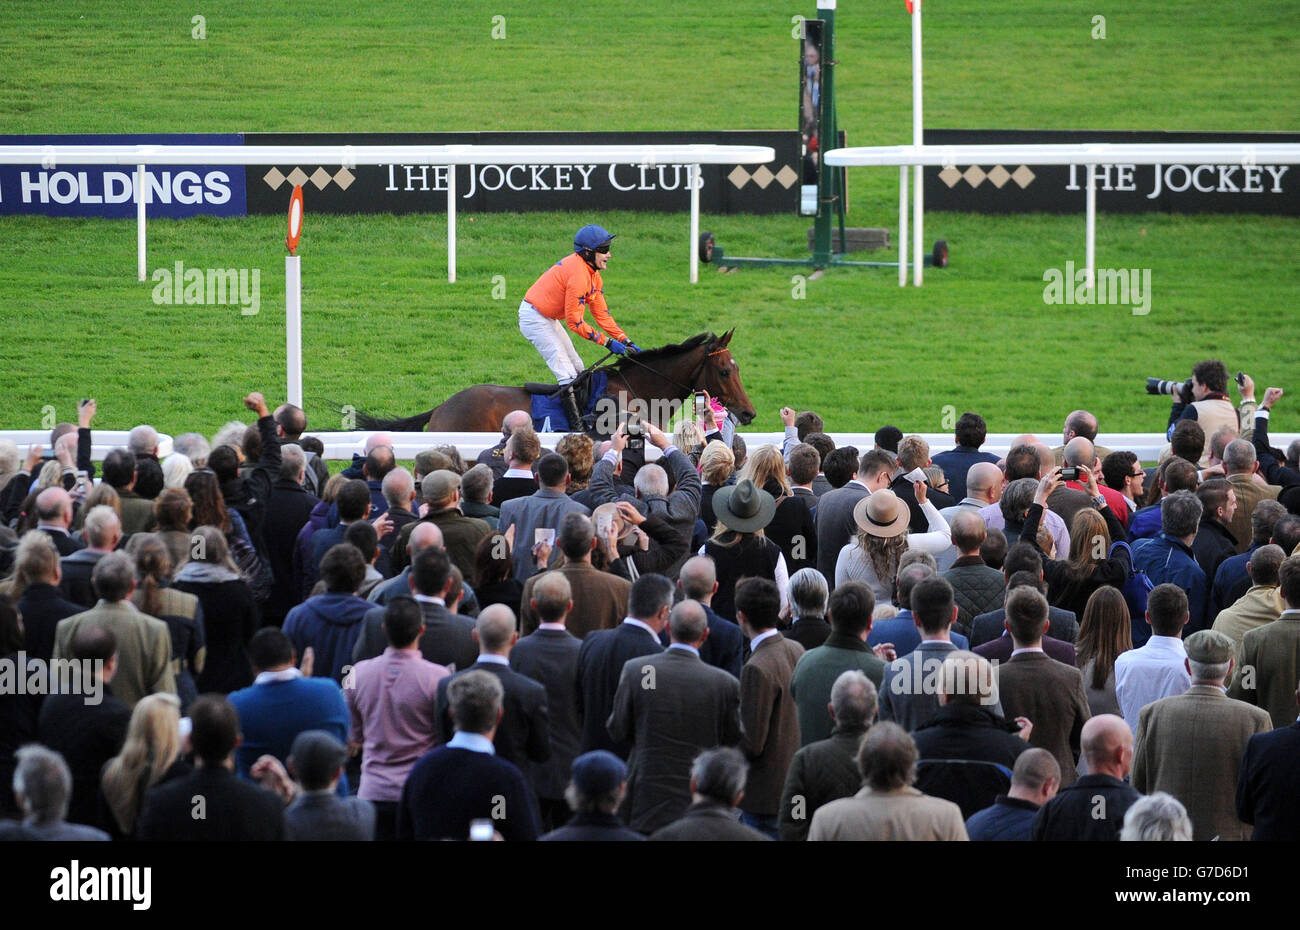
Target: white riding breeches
[(552, 341)]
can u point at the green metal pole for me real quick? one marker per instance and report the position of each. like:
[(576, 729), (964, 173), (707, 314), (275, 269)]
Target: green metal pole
[(827, 134)]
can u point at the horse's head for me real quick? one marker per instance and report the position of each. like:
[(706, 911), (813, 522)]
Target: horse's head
[(721, 378)]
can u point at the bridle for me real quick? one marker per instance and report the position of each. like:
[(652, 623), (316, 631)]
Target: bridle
[(686, 388)]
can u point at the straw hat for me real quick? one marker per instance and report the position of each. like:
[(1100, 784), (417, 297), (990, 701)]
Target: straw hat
[(606, 513), (882, 514), (743, 507)]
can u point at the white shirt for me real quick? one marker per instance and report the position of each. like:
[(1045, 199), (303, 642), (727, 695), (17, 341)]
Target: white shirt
[(1149, 673), (492, 658), (284, 674), (518, 473), (645, 626), (1016, 652), (767, 634), (552, 626)]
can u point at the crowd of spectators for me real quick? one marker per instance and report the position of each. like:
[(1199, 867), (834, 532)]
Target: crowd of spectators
[(803, 642)]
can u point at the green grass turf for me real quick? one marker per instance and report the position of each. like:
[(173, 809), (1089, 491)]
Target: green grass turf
[(384, 331)]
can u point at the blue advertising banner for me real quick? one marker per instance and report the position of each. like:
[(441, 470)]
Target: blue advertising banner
[(109, 190)]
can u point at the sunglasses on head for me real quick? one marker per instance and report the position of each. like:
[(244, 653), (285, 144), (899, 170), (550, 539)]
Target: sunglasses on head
[(603, 250)]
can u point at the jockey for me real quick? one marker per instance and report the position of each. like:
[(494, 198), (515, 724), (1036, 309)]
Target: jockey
[(562, 294)]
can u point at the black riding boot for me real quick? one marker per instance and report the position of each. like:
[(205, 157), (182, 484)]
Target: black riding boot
[(569, 398)]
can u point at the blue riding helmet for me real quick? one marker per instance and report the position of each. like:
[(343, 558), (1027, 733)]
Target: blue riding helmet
[(591, 237)]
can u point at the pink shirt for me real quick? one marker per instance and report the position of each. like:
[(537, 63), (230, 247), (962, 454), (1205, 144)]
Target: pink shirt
[(392, 700)]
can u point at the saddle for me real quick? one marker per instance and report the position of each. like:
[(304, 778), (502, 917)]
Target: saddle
[(547, 403)]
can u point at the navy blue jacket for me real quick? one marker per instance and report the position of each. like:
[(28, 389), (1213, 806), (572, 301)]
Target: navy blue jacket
[(1268, 785), (449, 787), (1009, 819), (1169, 560), (330, 624), (956, 463)]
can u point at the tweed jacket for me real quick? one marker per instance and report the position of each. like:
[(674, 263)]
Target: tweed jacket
[(771, 721), (1249, 493), (1191, 745), (599, 600), (1051, 695), (144, 648), (1273, 652), (671, 707)]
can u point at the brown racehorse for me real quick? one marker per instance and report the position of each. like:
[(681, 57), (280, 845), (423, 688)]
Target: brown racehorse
[(653, 383)]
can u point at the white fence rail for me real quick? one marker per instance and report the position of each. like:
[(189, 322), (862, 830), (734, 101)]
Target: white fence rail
[(1087, 153)]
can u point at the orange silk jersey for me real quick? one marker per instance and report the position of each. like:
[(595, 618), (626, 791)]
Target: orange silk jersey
[(565, 289)]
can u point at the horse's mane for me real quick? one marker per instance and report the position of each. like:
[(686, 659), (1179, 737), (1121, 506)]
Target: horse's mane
[(668, 351)]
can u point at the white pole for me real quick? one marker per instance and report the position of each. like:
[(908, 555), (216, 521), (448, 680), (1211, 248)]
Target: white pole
[(918, 204), (293, 328), (451, 223), (902, 225), (1090, 231), (693, 176), (139, 220)]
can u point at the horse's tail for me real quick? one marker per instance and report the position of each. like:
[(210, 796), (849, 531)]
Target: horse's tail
[(415, 424)]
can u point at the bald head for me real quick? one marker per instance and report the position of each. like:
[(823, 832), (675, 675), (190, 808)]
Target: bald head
[(552, 597), (1079, 451), (1046, 457), (515, 419), (424, 536), (697, 578), (398, 488), (688, 624), (54, 508), (495, 629), (984, 481), (378, 440), (1107, 744), (968, 531)]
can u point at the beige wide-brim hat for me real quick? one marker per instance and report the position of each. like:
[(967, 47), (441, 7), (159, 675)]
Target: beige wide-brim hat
[(743, 507), (882, 514), (603, 514)]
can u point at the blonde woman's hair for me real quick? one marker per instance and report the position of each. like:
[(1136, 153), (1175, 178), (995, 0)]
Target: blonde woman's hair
[(103, 495), (687, 436), (717, 462), (766, 464), (51, 476), (35, 561), (153, 743)]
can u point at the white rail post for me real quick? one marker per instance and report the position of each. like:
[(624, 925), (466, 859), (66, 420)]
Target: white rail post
[(293, 328), (1090, 232), (902, 225), (693, 177), (451, 223), (918, 203), (139, 220)]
